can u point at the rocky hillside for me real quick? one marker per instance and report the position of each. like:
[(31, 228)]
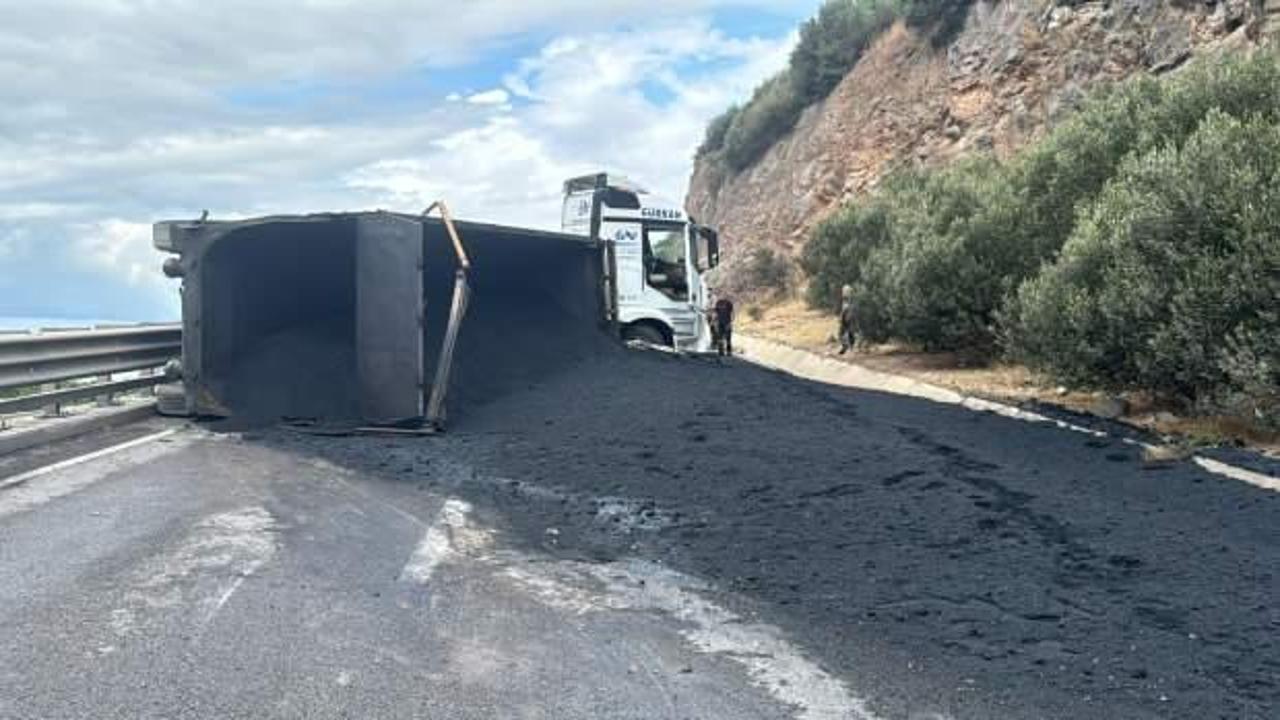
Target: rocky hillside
[(1015, 67)]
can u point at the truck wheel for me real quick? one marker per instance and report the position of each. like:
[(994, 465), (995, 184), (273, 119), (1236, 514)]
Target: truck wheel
[(645, 333)]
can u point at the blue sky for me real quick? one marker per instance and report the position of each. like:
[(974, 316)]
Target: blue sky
[(120, 114)]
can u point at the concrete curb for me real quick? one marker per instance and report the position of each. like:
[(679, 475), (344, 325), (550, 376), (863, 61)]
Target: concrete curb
[(811, 366), (54, 430)]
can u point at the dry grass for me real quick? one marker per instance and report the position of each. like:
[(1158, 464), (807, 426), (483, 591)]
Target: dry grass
[(789, 322), (792, 323)]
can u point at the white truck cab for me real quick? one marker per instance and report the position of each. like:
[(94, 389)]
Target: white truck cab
[(659, 256)]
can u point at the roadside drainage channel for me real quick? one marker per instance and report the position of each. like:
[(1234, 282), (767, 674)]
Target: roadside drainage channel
[(811, 366)]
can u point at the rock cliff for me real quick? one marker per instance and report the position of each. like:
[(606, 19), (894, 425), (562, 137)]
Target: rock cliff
[(1015, 67)]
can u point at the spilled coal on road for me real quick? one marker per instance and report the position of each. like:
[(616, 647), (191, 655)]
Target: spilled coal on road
[(944, 563)]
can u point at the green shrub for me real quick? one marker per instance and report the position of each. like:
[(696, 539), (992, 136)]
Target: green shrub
[(771, 113), (830, 44), (719, 126), (1251, 362), (956, 243), (838, 249), (952, 255), (766, 270), (930, 257), (941, 19), (1069, 168), (1171, 281), (832, 41)]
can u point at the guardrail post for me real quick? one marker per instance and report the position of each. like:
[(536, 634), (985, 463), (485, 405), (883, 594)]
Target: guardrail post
[(54, 410), (107, 399)]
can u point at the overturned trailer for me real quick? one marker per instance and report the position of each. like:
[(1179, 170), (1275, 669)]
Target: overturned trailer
[(356, 318)]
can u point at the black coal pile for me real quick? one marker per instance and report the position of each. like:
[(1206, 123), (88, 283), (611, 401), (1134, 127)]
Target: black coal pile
[(303, 373), (512, 342), (315, 321)]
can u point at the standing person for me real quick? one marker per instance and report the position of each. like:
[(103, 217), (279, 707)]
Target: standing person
[(724, 326), (848, 330)]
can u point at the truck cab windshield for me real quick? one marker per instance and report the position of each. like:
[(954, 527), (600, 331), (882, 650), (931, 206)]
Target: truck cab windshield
[(665, 250)]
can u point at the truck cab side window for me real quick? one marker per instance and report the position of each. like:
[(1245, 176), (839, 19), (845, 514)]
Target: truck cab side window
[(664, 261)]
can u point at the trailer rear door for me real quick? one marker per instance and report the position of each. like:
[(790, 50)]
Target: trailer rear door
[(389, 313)]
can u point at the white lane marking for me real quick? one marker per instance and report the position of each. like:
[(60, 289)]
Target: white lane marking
[(73, 476), (222, 599), (452, 534), (772, 662), (1239, 473), (1014, 413), (811, 366), (204, 570), (87, 457), (555, 585)]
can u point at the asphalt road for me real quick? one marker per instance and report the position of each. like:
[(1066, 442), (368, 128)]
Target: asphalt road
[(205, 576), (645, 537)]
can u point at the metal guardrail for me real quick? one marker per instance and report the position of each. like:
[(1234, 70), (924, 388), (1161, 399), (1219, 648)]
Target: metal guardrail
[(33, 359)]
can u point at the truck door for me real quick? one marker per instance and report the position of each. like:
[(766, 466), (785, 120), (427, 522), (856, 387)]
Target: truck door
[(629, 255), (693, 269), (704, 254), (666, 259), (389, 294)]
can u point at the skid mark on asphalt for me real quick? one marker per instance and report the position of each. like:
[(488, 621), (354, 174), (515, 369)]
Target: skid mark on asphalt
[(37, 487), (202, 572), (770, 660)]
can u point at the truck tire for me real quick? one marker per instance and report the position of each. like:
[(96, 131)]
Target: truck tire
[(645, 332)]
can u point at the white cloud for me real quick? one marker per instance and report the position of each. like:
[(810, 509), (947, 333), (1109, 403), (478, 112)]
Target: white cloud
[(115, 66), (496, 96), (122, 248), (15, 211), (497, 172), (121, 113), (587, 109)]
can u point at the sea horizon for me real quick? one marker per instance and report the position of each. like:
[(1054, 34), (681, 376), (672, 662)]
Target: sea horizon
[(21, 322)]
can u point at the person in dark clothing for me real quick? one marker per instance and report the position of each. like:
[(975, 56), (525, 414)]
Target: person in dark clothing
[(848, 327), (723, 328)]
